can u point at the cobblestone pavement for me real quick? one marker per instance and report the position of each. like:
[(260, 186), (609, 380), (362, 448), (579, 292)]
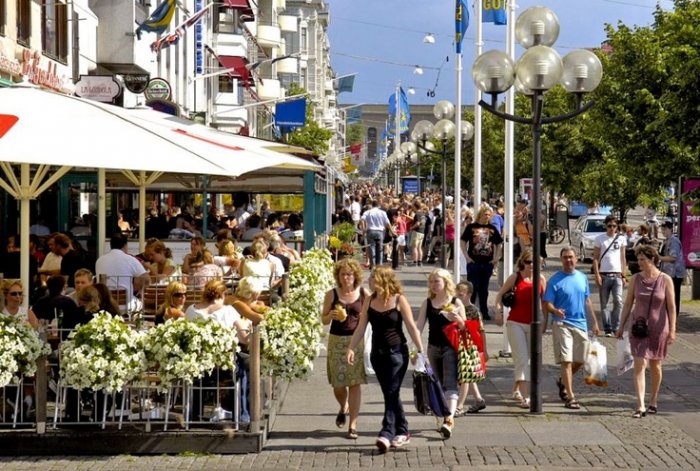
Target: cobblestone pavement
[(602, 435)]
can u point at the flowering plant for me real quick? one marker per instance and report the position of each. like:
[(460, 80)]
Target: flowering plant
[(185, 350), (104, 354), (291, 332), (20, 346), (334, 242)]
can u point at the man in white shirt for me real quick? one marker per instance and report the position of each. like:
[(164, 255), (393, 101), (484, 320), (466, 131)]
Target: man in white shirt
[(375, 222), (122, 270), (608, 265), (355, 210)]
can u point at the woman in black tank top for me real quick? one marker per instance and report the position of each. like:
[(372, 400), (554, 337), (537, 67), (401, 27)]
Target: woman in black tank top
[(387, 310), (341, 309), (439, 310)]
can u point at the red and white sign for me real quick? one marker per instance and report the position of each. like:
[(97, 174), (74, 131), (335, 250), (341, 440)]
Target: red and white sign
[(20, 63)]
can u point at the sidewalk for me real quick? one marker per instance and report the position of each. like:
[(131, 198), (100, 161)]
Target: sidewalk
[(600, 435)]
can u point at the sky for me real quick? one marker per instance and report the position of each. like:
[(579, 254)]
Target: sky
[(382, 41)]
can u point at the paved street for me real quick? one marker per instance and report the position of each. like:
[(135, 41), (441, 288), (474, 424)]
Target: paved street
[(602, 435)]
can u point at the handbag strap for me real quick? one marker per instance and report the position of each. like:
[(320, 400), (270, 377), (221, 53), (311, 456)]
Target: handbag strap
[(651, 296), (608, 247)]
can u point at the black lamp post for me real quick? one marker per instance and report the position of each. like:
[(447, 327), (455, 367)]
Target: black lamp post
[(539, 69)]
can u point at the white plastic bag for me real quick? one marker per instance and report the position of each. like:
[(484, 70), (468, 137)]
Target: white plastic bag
[(625, 360), (597, 364), (368, 349)]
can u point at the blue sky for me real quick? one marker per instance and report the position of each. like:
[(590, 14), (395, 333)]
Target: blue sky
[(382, 40)]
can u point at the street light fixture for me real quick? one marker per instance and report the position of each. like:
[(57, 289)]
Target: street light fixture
[(443, 130), (538, 69)]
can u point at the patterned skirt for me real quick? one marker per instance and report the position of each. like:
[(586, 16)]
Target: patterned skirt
[(340, 373)]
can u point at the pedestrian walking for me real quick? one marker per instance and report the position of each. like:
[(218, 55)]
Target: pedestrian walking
[(651, 304), (518, 322), (567, 299), (481, 244), (672, 261), (440, 309), (375, 223), (387, 309), (341, 309), (609, 263)]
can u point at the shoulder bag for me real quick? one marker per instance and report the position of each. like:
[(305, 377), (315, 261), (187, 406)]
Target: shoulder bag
[(508, 298), (640, 328)]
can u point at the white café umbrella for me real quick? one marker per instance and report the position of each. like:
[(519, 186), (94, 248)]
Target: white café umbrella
[(40, 129)]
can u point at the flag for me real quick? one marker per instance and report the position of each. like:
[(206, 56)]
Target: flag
[(159, 20), (355, 150), (346, 83), (353, 115), (382, 147), (403, 110), (171, 39), (461, 24), (257, 64), (493, 15)]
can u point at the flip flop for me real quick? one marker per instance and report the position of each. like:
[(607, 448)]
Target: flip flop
[(639, 414), (652, 410), (340, 420), (352, 434)]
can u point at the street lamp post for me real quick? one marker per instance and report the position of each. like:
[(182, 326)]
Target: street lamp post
[(539, 69), (443, 130)]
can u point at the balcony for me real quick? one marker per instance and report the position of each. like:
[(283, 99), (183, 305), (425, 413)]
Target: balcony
[(288, 66), (288, 24), (270, 89), (269, 35), (119, 50), (231, 45)]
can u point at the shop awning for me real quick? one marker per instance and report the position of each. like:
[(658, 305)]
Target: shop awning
[(238, 64), (242, 5)]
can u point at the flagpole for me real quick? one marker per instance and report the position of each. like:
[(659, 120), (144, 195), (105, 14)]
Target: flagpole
[(397, 135), (456, 251), (477, 117), (509, 168)]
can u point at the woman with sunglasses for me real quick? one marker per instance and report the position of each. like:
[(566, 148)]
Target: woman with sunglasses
[(173, 306), (518, 322), (13, 294)]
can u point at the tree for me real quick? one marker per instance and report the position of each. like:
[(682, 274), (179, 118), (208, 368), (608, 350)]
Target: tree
[(312, 136)]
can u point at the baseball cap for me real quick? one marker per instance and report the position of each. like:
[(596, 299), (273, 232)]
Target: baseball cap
[(667, 225)]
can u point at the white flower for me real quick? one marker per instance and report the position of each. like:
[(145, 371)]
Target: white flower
[(20, 346)]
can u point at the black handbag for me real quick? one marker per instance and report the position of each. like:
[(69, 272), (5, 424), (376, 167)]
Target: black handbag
[(640, 329), (508, 298)]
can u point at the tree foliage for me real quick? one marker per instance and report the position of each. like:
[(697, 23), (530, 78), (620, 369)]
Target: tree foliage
[(312, 136)]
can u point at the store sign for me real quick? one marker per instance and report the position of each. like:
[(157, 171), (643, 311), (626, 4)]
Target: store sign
[(136, 83), (30, 68), (97, 87), (158, 89), (689, 222)]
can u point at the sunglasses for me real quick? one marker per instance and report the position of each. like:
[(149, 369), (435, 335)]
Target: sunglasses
[(611, 225), (528, 262), (15, 293), (179, 295)]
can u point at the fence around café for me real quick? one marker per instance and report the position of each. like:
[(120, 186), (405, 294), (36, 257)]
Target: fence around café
[(142, 419)]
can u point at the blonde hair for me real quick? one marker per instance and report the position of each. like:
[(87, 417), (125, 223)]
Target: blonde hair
[(173, 287), (247, 288), (9, 283), (386, 284), (258, 249), (446, 276), (483, 210), (348, 264), (227, 249), (213, 290)]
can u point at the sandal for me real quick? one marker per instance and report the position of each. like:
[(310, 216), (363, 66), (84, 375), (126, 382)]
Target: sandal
[(517, 396), (524, 404), (562, 391), (652, 410), (340, 420), (459, 412), (352, 434), (479, 405), (638, 414), (572, 404)]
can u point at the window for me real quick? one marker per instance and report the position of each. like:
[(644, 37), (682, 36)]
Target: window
[(54, 30), (226, 21), (304, 40), (225, 84), (24, 21), (3, 17)]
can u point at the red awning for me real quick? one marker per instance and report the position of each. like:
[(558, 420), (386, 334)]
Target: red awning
[(243, 5), (238, 64)]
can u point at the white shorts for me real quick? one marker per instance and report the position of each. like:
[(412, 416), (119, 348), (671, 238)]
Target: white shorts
[(570, 343)]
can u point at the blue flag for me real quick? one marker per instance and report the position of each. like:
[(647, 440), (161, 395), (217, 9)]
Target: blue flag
[(494, 11), (159, 20), (346, 83), (353, 115), (403, 110), (461, 24)]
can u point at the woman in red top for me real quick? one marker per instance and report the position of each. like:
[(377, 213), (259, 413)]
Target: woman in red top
[(518, 324)]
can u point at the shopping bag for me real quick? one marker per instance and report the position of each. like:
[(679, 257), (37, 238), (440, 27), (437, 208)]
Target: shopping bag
[(471, 367), (474, 329), (428, 395), (596, 364), (625, 360)]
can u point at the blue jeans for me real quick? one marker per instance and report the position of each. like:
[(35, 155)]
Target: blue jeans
[(479, 275), (375, 239), (390, 367), (611, 285), (443, 361)]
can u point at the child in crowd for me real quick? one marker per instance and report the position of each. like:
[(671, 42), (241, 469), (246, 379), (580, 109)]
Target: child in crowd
[(464, 293)]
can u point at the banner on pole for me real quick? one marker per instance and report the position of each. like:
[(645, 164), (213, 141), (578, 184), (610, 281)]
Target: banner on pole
[(494, 11), (461, 24)]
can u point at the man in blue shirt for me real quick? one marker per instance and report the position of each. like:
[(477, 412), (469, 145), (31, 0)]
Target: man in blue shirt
[(567, 299)]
